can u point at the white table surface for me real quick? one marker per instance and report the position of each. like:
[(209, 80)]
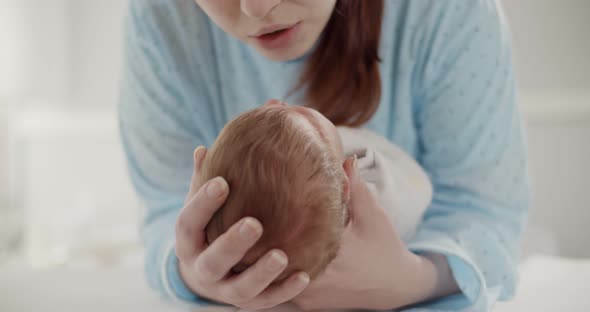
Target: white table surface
[(547, 284)]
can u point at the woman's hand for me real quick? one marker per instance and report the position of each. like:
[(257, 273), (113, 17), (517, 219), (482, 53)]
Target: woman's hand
[(205, 268), (373, 269)]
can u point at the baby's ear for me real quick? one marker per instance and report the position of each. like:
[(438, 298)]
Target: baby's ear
[(348, 166)]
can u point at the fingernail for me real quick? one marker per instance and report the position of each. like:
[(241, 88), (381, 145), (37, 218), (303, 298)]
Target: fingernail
[(216, 187), (249, 229), (355, 162), (198, 148), (276, 261), (195, 152), (303, 278)]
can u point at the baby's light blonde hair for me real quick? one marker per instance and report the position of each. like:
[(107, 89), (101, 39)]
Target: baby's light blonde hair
[(282, 174)]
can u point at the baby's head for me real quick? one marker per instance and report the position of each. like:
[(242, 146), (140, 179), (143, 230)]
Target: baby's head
[(284, 165)]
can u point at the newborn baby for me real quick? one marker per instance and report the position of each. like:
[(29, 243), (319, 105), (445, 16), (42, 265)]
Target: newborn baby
[(284, 166)]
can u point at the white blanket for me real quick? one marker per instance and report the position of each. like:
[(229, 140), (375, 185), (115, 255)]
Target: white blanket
[(398, 182), (548, 284)]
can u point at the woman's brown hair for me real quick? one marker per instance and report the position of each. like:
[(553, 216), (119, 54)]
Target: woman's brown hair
[(341, 77)]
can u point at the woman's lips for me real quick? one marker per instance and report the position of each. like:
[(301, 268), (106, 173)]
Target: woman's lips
[(277, 37), (270, 29)]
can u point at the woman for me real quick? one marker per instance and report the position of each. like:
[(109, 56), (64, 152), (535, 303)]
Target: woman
[(433, 76)]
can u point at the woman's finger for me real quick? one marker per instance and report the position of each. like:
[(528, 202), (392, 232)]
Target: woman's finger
[(274, 102), (275, 295), (361, 199), (256, 278), (199, 156), (228, 249), (194, 217)]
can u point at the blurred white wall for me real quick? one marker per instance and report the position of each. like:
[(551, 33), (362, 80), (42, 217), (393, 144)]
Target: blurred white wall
[(72, 185), (58, 53), (96, 43), (35, 48), (559, 154), (34, 59), (552, 53), (66, 51), (61, 56), (551, 42)]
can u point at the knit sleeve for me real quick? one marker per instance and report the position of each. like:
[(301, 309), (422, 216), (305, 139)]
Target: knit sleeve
[(164, 114), (472, 147)]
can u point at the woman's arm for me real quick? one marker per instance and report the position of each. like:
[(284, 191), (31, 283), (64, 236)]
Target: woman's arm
[(472, 146), (431, 278), (163, 114)]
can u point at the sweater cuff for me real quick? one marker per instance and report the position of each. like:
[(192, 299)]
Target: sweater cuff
[(173, 283), (466, 275)]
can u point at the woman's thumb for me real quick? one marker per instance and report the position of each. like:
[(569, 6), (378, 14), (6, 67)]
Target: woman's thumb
[(362, 202)]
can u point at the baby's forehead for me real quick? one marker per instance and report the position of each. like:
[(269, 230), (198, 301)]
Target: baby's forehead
[(301, 123), (293, 121)]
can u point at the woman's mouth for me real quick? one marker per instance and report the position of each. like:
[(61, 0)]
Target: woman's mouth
[(277, 37)]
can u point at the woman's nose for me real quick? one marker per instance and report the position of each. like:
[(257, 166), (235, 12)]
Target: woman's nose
[(258, 9)]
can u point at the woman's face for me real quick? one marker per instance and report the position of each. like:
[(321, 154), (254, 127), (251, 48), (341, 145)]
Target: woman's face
[(281, 30)]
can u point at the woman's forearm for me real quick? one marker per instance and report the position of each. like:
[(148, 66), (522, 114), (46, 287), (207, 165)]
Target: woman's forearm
[(434, 278)]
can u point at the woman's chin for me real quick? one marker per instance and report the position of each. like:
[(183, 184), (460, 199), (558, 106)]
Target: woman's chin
[(281, 55), (286, 54)]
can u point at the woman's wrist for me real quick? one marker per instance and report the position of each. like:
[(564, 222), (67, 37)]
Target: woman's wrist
[(444, 283), (184, 273), (427, 277)]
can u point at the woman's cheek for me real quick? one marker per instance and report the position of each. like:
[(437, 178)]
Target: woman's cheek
[(318, 10), (224, 13)]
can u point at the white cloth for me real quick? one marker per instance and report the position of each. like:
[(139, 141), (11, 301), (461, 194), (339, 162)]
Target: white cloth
[(398, 182)]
